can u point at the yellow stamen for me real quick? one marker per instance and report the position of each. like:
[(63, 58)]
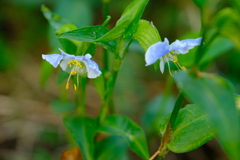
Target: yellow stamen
[(73, 62), (176, 59), (183, 68), (67, 85), (75, 87), (73, 72)]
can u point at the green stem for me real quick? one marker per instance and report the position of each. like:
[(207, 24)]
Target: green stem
[(105, 23), (116, 67), (176, 109), (81, 107), (105, 9)]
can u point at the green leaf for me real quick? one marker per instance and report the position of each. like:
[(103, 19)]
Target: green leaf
[(62, 106), (114, 147), (127, 24), (227, 21), (55, 20), (69, 45), (146, 34), (46, 71), (82, 130), (91, 49), (214, 95), (90, 34), (191, 129), (130, 131)]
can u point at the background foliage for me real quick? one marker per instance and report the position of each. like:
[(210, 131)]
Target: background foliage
[(32, 105)]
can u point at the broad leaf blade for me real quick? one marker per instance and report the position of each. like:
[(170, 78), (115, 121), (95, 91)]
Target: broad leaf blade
[(215, 96), (191, 129), (130, 131), (146, 34), (82, 130), (114, 147)]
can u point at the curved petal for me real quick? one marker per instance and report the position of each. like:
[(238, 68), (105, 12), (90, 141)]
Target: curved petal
[(156, 51), (162, 64), (92, 69), (185, 45), (88, 56), (64, 65), (65, 55), (53, 59)]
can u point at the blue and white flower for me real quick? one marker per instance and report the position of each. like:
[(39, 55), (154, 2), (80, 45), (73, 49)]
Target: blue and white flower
[(166, 52), (74, 65)]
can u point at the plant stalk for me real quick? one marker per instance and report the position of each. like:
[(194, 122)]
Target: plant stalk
[(176, 109)]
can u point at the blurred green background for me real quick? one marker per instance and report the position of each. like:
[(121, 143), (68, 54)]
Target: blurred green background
[(30, 117)]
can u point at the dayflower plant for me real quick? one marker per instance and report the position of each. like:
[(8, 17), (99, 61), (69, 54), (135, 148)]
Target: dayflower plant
[(74, 65), (166, 52)]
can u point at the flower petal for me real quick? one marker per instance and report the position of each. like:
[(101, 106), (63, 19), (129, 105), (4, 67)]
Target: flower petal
[(65, 55), (92, 69), (88, 56), (162, 64), (156, 51), (185, 45), (64, 65), (53, 59)]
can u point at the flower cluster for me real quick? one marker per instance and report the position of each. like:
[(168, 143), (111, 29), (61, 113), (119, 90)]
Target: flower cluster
[(78, 65), (166, 52), (74, 65)]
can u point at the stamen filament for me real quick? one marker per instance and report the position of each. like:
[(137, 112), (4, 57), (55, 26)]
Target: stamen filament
[(176, 65), (169, 68)]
